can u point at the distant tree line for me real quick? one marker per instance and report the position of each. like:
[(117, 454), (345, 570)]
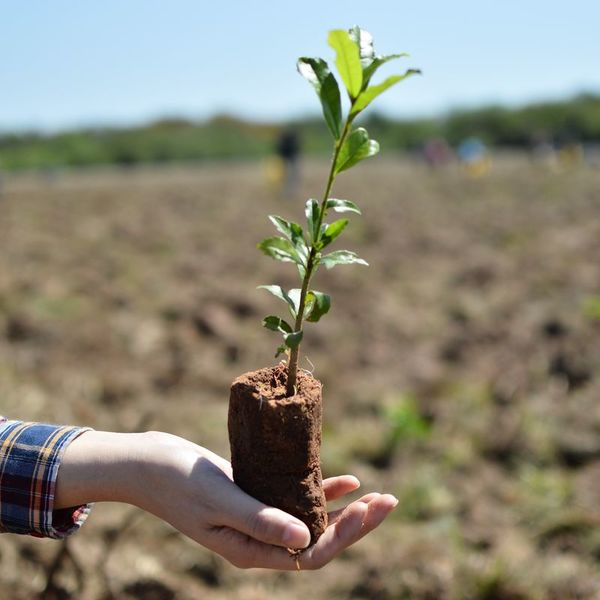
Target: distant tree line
[(223, 137)]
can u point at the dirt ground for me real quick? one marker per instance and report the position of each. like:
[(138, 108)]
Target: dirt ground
[(461, 370)]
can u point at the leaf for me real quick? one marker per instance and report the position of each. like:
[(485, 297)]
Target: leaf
[(364, 40), (292, 340), (294, 233), (341, 206), (280, 249), (319, 305), (276, 324), (369, 71), (342, 257), (280, 293), (347, 60), (332, 231), (301, 271), (357, 147), (294, 295), (368, 95), (281, 350), (312, 212), (316, 72)]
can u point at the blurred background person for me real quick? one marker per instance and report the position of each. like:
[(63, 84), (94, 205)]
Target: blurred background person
[(474, 157), (283, 168), (437, 153)]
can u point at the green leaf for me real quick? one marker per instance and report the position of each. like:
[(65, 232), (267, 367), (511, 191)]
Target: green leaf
[(280, 293), (276, 324), (341, 206), (281, 350), (292, 340), (312, 212), (332, 231), (294, 233), (368, 95), (294, 295), (347, 60), (364, 40), (280, 249), (301, 271), (357, 147), (369, 70), (316, 72), (341, 257), (318, 303)]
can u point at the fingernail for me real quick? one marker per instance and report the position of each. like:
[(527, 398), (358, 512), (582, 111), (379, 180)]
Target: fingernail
[(296, 536), (396, 501)]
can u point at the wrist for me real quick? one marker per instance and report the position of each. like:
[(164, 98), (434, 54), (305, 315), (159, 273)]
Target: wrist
[(101, 466)]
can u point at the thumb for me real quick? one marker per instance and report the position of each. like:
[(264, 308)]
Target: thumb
[(273, 526), (261, 522)]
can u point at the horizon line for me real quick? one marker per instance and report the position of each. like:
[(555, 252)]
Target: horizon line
[(185, 117)]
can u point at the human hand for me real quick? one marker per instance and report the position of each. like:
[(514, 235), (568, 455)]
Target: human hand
[(192, 489)]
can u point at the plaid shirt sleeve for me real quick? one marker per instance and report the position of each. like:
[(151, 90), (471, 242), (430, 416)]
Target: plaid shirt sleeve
[(30, 455)]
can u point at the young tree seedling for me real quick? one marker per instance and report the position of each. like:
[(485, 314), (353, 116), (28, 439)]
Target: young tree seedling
[(356, 64)]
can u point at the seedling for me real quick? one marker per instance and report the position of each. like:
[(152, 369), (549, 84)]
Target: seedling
[(356, 63), (277, 408)]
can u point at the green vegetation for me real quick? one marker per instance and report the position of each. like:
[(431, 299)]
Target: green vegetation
[(404, 427), (222, 138), (166, 141), (405, 422), (591, 308), (356, 63)]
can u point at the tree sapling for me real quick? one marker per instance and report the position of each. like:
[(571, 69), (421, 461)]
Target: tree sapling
[(275, 413)]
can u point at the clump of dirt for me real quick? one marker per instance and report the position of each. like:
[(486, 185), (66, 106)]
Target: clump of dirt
[(275, 443)]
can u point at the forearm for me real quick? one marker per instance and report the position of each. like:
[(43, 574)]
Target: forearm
[(151, 470), (191, 488), (101, 466)]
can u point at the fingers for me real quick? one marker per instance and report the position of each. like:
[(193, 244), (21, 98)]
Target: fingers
[(377, 513), (353, 522), (245, 552), (358, 519), (336, 487), (273, 526), (335, 515), (264, 523)]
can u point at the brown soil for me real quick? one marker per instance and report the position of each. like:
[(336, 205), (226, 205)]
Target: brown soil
[(275, 443), (128, 302)]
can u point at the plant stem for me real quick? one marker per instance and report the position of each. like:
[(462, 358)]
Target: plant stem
[(292, 366)]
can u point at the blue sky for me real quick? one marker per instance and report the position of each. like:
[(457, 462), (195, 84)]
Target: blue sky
[(70, 63)]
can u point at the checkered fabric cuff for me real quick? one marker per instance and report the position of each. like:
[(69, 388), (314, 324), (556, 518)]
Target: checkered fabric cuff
[(30, 455)]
